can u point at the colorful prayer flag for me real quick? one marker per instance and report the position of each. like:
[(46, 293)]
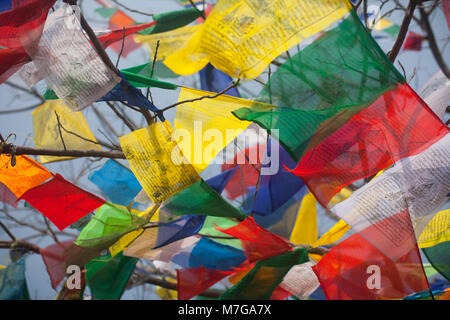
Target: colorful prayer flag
[(107, 277), (413, 42), (157, 161), (82, 77), (241, 37), (25, 175), (54, 119), (62, 202), (206, 120), (117, 182), (265, 276)]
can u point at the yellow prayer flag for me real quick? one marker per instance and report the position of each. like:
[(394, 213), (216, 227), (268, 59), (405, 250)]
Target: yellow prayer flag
[(46, 130), (169, 41), (382, 24), (2, 267), (204, 127), (26, 174), (333, 235), (157, 162), (305, 228), (128, 238), (167, 294), (436, 231), (241, 37)]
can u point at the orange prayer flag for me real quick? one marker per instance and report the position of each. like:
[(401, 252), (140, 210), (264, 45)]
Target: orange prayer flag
[(26, 174)]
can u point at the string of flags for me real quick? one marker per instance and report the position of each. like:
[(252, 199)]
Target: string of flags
[(335, 115)]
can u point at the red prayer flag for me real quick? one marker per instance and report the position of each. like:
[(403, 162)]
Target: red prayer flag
[(257, 242), (117, 34), (246, 175), (369, 266), (397, 125), (54, 260), (61, 201), (11, 60), (193, 281), (413, 42), (446, 9), (22, 21), (120, 20)]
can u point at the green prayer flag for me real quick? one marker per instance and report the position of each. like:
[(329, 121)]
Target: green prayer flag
[(199, 198), (109, 224), (439, 257), (107, 277), (320, 88), (167, 21), (208, 229), (267, 274)]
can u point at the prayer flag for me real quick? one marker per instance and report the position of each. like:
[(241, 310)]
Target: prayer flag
[(81, 77), (54, 119), (62, 202), (25, 175), (241, 37), (117, 182), (206, 120), (413, 42), (107, 277), (13, 284), (157, 161)]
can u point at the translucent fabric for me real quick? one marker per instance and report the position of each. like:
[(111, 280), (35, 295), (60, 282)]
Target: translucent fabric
[(107, 277), (214, 80), (171, 20), (117, 182), (213, 255), (6, 196), (62, 202), (418, 184), (81, 77), (275, 190), (305, 228), (53, 257), (357, 270), (193, 281), (439, 258), (322, 86), (181, 228), (206, 120), (300, 281), (397, 125), (265, 276), (201, 199), (247, 164), (13, 284), (218, 182), (11, 60), (169, 41), (48, 132), (157, 161), (209, 229), (436, 231), (24, 175), (257, 242), (109, 224), (436, 93), (241, 37), (107, 38), (22, 21)]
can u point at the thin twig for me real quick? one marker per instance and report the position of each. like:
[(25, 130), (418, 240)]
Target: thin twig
[(121, 48), (132, 10), (403, 30), (59, 130), (232, 85), (8, 232)]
